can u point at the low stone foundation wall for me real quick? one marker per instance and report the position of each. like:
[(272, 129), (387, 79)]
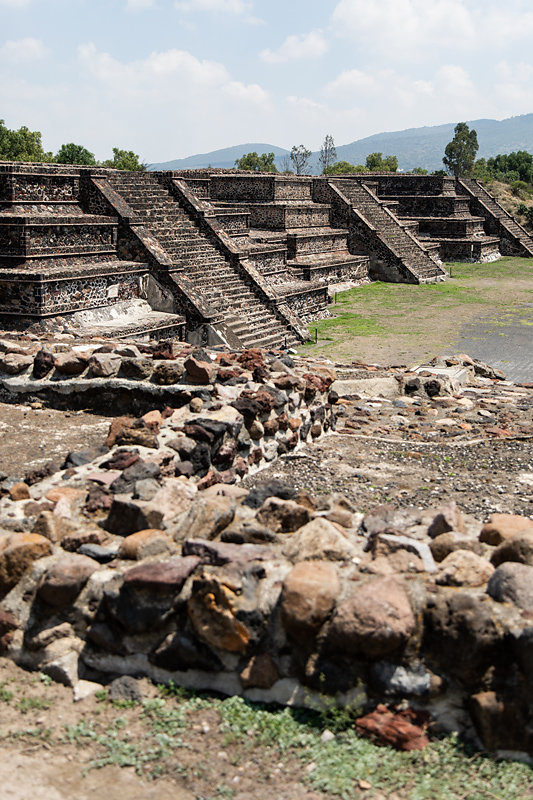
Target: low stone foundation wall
[(147, 558)]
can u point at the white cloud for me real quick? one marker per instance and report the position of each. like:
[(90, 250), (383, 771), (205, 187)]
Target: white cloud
[(405, 25), (22, 51), (455, 81), (171, 72), (350, 80), (252, 93), (225, 6), (307, 45), (170, 103)]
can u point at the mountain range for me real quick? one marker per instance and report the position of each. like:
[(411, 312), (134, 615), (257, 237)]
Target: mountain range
[(414, 147)]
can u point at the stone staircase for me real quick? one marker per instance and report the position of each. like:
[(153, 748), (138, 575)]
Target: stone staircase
[(392, 233), (215, 278), (493, 212)]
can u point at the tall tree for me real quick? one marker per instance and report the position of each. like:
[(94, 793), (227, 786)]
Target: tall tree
[(21, 145), (328, 153), (460, 153), (300, 158), (376, 163), (74, 154), (254, 163), (124, 159)]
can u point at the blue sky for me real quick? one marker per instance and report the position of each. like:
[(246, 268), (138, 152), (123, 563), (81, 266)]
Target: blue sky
[(170, 78)]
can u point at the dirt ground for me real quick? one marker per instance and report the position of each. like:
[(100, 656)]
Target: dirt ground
[(32, 437), (403, 324)]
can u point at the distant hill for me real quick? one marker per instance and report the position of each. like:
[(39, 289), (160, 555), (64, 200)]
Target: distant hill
[(223, 159), (415, 147)]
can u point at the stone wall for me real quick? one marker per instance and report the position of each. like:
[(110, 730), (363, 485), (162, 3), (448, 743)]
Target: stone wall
[(40, 297)]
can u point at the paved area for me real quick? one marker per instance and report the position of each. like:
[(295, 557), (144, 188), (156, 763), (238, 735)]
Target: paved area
[(504, 341)]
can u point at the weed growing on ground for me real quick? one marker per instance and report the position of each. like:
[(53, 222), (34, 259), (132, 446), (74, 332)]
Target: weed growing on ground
[(26, 704)]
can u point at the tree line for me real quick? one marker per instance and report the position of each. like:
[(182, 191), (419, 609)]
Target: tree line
[(26, 145)]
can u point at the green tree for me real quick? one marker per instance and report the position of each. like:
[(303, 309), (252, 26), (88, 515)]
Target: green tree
[(460, 153), (74, 154), (512, 166), (328, 153), (21, 145), (376, 163), (126, 160), (252, 162), (345, 167), (419, 171), (300, 158)]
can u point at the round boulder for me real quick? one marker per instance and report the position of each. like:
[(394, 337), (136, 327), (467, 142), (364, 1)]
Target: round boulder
[(374, 622)]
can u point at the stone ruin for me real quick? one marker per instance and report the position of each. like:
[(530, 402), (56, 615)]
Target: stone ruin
[(147, 557), (231, 258)]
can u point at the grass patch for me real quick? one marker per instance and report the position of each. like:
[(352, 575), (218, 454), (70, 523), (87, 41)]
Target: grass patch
[(384, 321)]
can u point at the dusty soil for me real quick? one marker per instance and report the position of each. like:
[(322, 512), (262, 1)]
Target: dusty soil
[(46, 756), (404, 324), (32, 437)]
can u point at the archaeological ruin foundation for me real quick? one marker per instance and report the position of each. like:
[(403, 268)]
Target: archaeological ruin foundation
[(212, 256), (168, 301)]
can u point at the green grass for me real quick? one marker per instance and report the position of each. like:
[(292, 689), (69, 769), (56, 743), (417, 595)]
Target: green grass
[(440, 772), (405, 313)]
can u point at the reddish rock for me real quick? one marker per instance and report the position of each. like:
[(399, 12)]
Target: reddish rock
[(52, 527), (271, 427), (376, 620), (121, 459), (15, 363), (448, 518), (118, 425), (403, 730), (212, 613), (153, 419), (502, 526), (65, 579), (240, 466), (104, 365), (70, 363), (73, 541), (256, 456), (259, 673), (18, 551), (289, 383), (518, 547), (167, 373), (282, 515), (447, 543), (201, 372), (8, 626), (162, 575), (225, 454), (308, 596), (252, 358), (463, 568), (145, 543), (283, 422), (19, 491), (140, 436), (219, 553)]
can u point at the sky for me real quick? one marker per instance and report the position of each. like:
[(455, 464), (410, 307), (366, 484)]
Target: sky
[(171, 78)]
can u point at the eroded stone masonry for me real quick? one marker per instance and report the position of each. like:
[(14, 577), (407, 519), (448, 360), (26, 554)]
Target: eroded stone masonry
[(216, 257), (147, 557)]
